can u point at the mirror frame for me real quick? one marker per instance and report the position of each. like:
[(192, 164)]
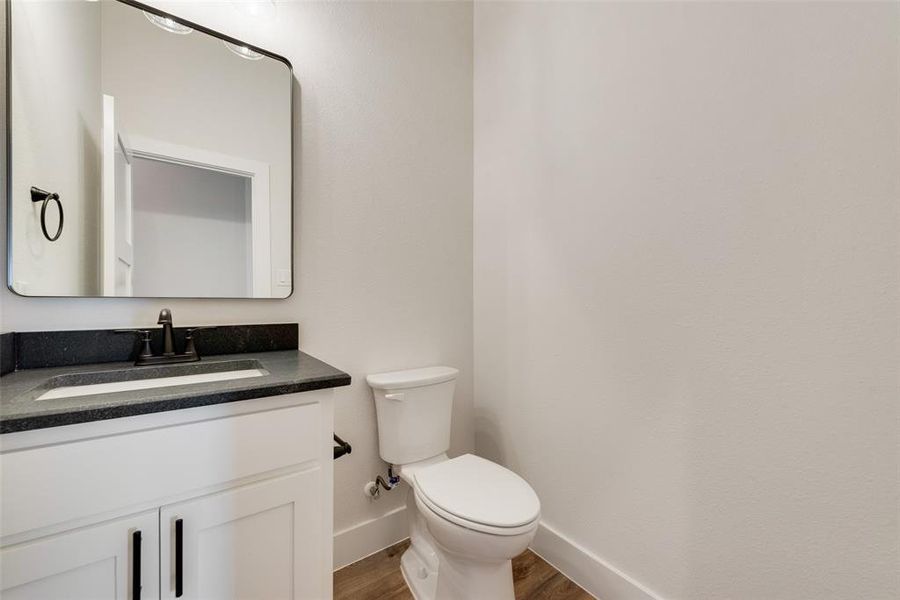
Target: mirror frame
[(9, 148)]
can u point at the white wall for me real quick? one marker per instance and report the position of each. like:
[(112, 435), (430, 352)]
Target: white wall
[(192, 231), (686, 290), (383, 219), (56, 115)]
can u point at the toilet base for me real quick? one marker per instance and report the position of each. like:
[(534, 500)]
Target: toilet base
[(446, 561), (419, 563), (420, 580)]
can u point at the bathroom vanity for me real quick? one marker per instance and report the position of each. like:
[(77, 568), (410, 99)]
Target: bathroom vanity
[(131, 468), (216, 489)]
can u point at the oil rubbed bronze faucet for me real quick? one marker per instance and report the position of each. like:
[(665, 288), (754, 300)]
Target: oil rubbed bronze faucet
[(165, 319), (168, 356)]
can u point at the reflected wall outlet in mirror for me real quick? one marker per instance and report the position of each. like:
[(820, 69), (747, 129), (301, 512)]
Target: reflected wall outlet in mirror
[(172, 155)]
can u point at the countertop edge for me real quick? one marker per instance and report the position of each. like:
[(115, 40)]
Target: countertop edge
[(28, 423)]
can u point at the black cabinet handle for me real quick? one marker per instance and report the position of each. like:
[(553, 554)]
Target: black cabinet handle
[(179, 558), (136, 565)]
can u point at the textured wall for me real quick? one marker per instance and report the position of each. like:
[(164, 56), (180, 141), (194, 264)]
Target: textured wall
[(383, 163), (686, 286)]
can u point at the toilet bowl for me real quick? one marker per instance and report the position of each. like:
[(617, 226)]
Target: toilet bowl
[(468, 517)]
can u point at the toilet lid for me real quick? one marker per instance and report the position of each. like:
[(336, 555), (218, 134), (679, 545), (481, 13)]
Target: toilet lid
[(479, 491)]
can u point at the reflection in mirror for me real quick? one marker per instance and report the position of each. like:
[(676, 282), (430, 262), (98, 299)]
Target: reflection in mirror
[(169, 147)]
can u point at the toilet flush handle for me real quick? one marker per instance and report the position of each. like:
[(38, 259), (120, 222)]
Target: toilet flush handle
[(398, 396)]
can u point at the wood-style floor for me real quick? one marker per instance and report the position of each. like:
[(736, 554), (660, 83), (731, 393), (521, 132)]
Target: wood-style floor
[(378, 577)]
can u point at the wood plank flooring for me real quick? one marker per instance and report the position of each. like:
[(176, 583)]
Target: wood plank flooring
[(378, 577)]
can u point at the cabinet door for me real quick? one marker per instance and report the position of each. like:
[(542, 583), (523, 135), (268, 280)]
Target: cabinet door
[(259, 541), (115, 560)]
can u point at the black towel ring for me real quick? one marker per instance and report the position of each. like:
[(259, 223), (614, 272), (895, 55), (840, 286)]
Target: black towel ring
[(39, 195)]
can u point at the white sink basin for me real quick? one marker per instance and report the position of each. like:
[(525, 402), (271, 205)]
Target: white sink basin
[(71, 391)]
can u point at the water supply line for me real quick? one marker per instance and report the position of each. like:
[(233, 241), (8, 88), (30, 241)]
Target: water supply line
[(373, 488)]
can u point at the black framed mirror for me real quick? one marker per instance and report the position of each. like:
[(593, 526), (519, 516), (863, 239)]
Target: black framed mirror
[(161, 152)]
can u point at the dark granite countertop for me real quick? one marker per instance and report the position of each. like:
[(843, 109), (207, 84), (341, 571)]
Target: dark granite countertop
[(287, 372)]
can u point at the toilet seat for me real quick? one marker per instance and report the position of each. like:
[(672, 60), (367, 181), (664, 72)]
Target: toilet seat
[(478, 494)]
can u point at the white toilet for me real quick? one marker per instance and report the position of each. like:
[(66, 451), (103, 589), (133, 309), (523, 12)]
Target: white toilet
[(468, 516)]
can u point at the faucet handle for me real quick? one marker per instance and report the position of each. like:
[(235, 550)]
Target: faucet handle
[(189, 348), (145, 340)]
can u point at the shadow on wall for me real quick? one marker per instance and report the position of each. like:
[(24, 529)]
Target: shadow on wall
[(488, 437)]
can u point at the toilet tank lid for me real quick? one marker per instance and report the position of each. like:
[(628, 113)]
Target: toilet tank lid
[(398, 380)]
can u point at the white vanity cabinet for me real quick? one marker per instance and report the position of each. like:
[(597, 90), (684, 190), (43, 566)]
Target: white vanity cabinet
[(266, 529), (218, 502), (98, 561)]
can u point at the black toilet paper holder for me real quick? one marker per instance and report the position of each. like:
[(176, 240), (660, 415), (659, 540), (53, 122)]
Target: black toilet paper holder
[(341, 447)]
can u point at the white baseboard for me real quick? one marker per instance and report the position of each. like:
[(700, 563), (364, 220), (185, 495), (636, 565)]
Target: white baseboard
[(588, 570), (368, 537), (595, 575)]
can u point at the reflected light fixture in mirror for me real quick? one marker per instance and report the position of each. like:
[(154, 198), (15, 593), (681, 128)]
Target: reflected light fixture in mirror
[(170, 25), (243, 51)]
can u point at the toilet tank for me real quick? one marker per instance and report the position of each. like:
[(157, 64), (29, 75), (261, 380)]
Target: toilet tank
[(413, 409)]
